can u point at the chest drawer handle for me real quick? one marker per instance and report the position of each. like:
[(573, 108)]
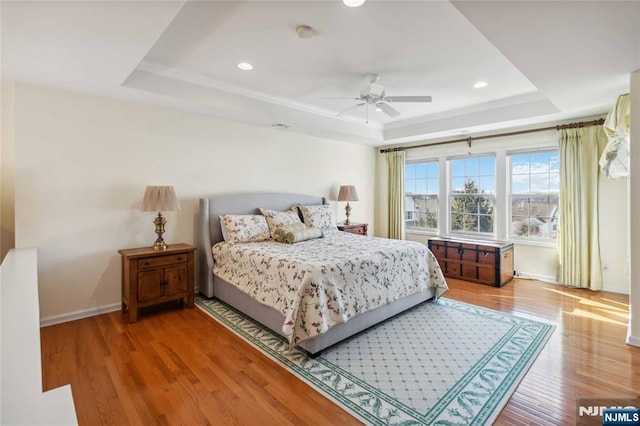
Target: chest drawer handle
[(486, 254)]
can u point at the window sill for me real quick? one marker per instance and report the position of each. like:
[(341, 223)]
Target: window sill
[(547, 244), (421, 232), (473, 237), (477, 237)]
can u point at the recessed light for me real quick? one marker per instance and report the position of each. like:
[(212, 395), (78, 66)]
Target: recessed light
[(378, 109), (480, 85), (245, 66), (280, 126), (353, 3)]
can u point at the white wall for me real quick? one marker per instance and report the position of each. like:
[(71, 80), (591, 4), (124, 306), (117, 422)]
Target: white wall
[(614, 234), (535, 261), (82, 163)]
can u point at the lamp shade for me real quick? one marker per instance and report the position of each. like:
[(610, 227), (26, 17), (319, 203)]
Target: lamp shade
[(159, 199), (347, 193)]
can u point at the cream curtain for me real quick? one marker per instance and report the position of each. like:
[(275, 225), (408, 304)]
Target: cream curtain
[(578, 237), (395, 167)]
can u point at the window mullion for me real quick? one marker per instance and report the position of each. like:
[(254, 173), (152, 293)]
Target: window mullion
[(501, 222), (443, 197)]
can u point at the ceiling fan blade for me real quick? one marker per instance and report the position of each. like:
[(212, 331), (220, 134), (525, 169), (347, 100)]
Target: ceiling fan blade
[(351, 99), (407, 99), (388, 109), (350, 108)]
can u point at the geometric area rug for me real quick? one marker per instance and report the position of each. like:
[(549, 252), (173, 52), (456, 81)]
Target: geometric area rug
[(439, 363)]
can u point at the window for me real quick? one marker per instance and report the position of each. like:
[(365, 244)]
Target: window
[(472, 195), (421, 195), (535, 185)]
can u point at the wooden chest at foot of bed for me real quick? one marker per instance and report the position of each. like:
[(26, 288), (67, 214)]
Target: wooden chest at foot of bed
[(486, 262)]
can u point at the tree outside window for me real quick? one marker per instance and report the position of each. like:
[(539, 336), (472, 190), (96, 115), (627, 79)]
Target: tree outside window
[(472, 195)]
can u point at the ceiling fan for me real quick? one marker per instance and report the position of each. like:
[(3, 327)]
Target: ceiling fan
[(374, 94)]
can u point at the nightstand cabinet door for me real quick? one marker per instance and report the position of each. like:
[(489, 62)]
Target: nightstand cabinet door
[(150, 285), (175, 280)]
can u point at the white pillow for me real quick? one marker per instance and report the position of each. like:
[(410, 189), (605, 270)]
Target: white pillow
[(244, 228), (295, 233), (320, 216), (276, 219)]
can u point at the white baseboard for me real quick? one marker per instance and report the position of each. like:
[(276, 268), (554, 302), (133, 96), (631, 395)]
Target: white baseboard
[(633, 341), (545, 278), (85, 313), (614, 289), (552, 280)]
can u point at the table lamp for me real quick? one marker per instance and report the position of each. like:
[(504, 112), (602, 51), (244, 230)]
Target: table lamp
[(347, 193), (159, 199)]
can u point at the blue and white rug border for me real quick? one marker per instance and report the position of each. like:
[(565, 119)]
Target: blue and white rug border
[(276, 348)]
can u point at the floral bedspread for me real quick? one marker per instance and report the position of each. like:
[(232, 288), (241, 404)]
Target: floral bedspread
[(322, 282)]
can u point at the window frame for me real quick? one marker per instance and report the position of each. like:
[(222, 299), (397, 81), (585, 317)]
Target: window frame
[(493, 197), (510, 195), (425, 230)]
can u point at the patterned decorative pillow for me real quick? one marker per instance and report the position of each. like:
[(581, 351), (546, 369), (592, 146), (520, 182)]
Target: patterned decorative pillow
[(320, 216), (295, 233), (276, 218), (244, 228)]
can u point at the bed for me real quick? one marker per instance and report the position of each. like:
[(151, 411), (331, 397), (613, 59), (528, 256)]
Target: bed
[(351, 316)]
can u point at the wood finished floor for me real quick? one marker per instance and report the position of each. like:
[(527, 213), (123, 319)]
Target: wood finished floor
[(181, 367)]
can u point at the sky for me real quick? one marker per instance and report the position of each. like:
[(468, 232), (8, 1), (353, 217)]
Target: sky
[(532, 173), (535, 173), (421, 178)]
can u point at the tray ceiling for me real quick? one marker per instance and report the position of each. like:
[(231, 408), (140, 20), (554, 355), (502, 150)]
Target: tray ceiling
[(543, 61)]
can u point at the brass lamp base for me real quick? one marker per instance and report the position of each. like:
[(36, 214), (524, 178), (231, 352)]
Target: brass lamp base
[(160, 221), (347, 210)]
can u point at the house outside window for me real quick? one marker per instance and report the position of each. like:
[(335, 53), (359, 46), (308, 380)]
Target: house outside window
[(472, 195), (535, 188), (421, 195)]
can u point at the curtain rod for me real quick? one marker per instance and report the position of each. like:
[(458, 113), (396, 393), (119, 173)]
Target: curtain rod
[(468, 140)]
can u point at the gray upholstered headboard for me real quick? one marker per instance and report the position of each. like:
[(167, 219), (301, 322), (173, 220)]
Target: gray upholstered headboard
[(209, 231)]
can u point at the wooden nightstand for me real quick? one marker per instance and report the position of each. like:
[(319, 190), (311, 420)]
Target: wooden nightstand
[(151, 277), (354, 228)]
